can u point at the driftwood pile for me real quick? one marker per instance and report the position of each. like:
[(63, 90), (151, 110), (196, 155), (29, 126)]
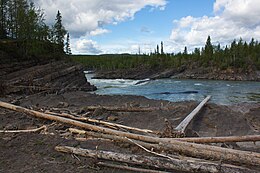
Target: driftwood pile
[(168, 154)]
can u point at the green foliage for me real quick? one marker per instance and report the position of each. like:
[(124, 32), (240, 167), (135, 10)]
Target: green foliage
[(67, 45), (59, 31), (22, 25), (238, 55)]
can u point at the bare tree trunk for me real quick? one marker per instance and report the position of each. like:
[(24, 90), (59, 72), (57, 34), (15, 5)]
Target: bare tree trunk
[(108, 124), (184, 124), (249, 138), (162, 163)]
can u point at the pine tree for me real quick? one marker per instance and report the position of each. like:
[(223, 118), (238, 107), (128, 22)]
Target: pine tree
[(157, 49), (59, 31), (162, 48), (67, 45), (208, 48)]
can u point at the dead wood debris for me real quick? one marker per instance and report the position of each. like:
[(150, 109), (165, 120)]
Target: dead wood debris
[(196, 157)]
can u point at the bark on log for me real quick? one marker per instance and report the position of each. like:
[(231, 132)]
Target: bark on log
[(173, 164), (248, 138), (184, 124), (125, 109), (108, 124), (129, 168), (189, 149)]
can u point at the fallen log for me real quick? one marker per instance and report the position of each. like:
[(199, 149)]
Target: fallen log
[(114, 138), (162, 163), (248, 138), (189, 149), (129, 168), (184, 124), (24, 131), (103, 123), (125, 109)]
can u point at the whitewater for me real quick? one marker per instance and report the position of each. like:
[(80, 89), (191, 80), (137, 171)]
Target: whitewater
[(222, 92)]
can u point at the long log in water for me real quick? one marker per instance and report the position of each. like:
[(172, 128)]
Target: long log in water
[(189, 149)]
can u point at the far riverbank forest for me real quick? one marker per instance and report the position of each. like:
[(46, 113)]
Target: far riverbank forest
[(238, 55)]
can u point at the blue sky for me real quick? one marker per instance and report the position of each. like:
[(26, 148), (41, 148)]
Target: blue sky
[(122, 26), (154, 25)]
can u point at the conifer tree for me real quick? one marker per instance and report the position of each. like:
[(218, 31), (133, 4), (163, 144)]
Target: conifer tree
[(67, 45), (59, 31), (162, 48), (185, 52), (208, 48), (157, 49)]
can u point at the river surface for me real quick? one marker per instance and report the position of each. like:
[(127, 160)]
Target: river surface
[(222, 92)]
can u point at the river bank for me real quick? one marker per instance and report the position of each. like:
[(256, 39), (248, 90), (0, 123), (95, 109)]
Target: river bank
[(180, 73), (34, 152)]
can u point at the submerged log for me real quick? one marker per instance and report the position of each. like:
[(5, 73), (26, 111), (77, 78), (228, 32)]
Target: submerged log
[(189, 149), (191, 165), (184, 124)]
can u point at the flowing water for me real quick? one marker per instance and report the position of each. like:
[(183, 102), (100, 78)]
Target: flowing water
[(222, 92)]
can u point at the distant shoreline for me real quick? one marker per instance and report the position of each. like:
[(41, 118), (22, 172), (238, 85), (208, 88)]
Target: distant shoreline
[(200, 74)]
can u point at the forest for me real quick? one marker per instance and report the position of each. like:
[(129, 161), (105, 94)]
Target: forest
[(239, 54), (23, 30)]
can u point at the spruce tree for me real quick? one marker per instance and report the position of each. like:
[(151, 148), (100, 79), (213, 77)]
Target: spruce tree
[(157, 49), (208, 48), (59, 31), (67, 45), (162, 48)]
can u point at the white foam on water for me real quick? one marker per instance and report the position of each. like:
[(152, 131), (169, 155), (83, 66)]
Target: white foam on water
[(198, 84)]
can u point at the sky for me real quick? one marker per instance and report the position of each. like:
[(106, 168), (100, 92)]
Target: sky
[(124, 26)]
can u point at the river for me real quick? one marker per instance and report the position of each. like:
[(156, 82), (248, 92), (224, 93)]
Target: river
[(222, 92)]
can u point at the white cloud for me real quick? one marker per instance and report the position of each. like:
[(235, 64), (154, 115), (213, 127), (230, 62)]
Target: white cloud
[(98, 31), (82, 17), (85, 46), (233, 19)]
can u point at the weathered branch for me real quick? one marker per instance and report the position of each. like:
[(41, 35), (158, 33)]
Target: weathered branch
[(108, 124), (24, 131), (189, 149), (184, 124), (173, 164)]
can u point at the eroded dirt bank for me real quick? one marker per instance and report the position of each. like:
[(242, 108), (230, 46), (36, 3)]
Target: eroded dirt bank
[(28, 76)]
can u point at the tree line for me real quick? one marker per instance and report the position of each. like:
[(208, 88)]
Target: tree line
[(239, 54), (23, 23)]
